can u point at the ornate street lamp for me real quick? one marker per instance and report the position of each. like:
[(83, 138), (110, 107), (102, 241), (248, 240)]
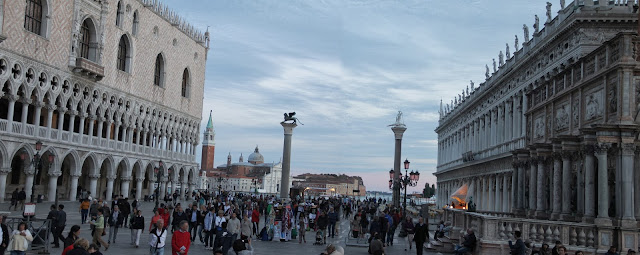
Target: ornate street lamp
[(159, 174), (406, 180), (36, 163)]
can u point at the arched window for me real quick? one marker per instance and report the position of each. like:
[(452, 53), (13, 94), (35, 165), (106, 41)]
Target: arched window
[(185, 83), (35, 16), (158, 74), (119, 14), (86, 49), (124, 54), (134, 28)]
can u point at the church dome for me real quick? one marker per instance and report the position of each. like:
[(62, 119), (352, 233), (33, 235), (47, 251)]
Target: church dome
[(256, 157)]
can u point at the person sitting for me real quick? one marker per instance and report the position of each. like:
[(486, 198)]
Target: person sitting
[(468, 245)]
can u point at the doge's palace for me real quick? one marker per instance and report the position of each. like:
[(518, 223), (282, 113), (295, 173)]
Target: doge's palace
[(548, 144), (109, 87)]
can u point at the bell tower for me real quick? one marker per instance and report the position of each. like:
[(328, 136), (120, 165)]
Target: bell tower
[(208, 146)]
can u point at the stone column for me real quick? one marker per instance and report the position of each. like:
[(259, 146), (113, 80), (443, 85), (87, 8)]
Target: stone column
[(72, 123), (540, 203), (523, 131), (505, 193), (515, 133), (566, 189), (491, 196), (185, 180), (73, 192), (498, 196), (3, 181), (557, 182), (109, 123), (28, 185), (139, 181), (603, 185), (508, 111), (53, 185), (81, 124), (116, 130), (23, 118), (163, 186), (50, 109), (10, 111), (109, 195), (100, 126), (521, 188), (92, 122), (533, 184), (124, 187), (61, 111), (93, 184), (192, 187), (500, 130), (286, 162), (627, 169), (37, 113)]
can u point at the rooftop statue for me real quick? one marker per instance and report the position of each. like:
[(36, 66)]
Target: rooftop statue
[(548, 12), (486, 74), (495, 69), (467, 90), (399, 122), (562, 4), (290, 117), (526, 32), (536, 26), (508, 52), (516, 43), (501, 59), (472, 85)]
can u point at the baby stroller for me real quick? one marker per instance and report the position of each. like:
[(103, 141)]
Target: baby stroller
[(319, 240)]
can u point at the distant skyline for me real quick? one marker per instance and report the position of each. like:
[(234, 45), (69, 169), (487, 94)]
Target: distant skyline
[(346, 68)]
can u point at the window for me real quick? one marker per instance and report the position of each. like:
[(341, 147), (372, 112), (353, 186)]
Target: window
[(158, 74), (134, 28), (85, 40), (124, 54), (185, 83), (119, 15), (33, 16)]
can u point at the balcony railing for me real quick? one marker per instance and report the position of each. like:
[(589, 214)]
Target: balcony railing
[(3, 125)]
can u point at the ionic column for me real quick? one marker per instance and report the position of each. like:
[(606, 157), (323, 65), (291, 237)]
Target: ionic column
[(498, 194), (505, 192), (53, 185), (110, 188), (557, 192), (603, 179), (566, 178), (74, 187), (139, 181), (627, 168), (3, 182), (540, 205), (533, 184), (93, 184)]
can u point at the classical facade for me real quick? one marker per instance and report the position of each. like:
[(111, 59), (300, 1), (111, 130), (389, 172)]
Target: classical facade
[(330, 184), (110, 88), (548, 144)]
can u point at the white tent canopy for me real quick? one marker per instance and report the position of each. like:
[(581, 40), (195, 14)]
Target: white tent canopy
[(461, 194)]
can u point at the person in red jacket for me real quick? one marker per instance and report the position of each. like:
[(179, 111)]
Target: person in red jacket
[(255, 219), (181, 239), (164, 212)]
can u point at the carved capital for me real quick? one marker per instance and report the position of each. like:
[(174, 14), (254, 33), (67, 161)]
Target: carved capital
[(94, 176), (602, 148), (111, 177), (126, 178), (5, 170), (139, 179), (588, 149), (62, 109), (628, 149), (567, 155), (50, 107), (55, 174)]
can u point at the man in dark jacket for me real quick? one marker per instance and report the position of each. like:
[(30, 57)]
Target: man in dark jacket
[(468, 244), (62, 222), (333, 219), (53, 217), (178, 216), (115, 221), (192, 217), (125, 207), (323, 222), (421, 235), (518, 248), (5, 236)]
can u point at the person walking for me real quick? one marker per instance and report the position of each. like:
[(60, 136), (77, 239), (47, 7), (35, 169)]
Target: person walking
[(22, 196), (409, 228), (99, 229), (233, 227), (4, 236), (192, 215), (209, 229), (14, 200), (181, 239), (302, 227), (125, 208), (20, 239), (80, 247), (84, 209), (155, 218), (115, 222), (519, 248), (255, 220), (137, 226), (157, 237), (62, 223), (53, 217), (245, 229), (421, 235), (333, 219)]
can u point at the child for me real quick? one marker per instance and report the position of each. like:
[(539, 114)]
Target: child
[(302, 227)]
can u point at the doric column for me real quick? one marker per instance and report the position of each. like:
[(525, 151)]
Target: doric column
[(540, 203), (74, 187), (3, 182), (124, 186), (53, 185), (603, 185), (627, 168), (498, 196), (93, 184), (533, 184), (506, 193), (139, 181), (109, 195), (566, 178), (557, 190)]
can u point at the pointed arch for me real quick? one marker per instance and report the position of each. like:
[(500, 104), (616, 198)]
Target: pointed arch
[(124, 54), (134, 27), (186, 83), (75, 160), (91, 161), (158, 73), (87, 41)]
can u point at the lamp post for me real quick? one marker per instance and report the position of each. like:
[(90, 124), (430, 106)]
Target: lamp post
[(220, 179), (409, 179), (159, 174), (36, 162)]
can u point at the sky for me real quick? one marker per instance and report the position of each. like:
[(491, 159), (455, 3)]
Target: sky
[(346, 67)]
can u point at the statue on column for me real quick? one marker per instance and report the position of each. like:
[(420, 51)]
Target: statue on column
[(516, 43), (501, 59), (525, 28), (290, 117), (486, 74), (548, 12), (536, 25), (508, 51), (399, 122)]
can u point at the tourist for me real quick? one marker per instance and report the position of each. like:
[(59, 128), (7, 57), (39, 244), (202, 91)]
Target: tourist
[(562, 250), (99, 230), (53, 217), (554, 251), (79, 248), (384, 228), (192, 215), (245, 229), (115, 222), (255, 220), (223, 239), (376, 247), (421, 235), (302, 227), (612, 251), (4, 236), (209, 229), (62, 223), (519, 248), (22, 196), (544, 250), (20, 239), (630, 252), (125, 208), (93, 209), (178, 216), (201, 214), (333, 219), (72, 237), (409, 228), (14, 201), (242, 248), (137, 225), (84, 209), (157, 237), (94, 250), (155, 218), (469, 243), (233, 226), (355, 226), (181, 239), (374, 228), (323, 221)]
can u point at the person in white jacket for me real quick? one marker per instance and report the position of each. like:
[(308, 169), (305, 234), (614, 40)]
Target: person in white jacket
[(209, 229), (20, 239)]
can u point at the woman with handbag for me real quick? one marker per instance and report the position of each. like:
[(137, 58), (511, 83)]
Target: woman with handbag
[(20, 239)]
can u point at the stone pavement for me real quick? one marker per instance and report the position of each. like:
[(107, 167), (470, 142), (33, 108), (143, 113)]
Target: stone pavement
[(122, 245)]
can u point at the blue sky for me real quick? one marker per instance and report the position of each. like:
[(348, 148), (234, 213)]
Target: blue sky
[(346, 68)]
